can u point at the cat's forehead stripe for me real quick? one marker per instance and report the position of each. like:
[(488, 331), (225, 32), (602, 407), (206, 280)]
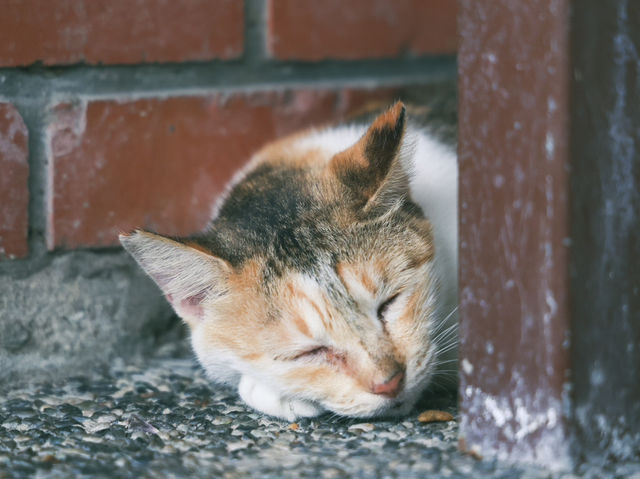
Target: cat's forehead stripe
[(367, 282), (357, 277), (313, 305), (301, 325)]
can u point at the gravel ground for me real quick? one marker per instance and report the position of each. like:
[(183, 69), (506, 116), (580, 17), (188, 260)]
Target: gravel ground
[(164, 419)]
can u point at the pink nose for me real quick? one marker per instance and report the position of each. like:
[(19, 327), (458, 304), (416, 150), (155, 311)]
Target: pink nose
[(391, 388)]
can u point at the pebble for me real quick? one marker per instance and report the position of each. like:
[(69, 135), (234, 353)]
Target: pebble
[(435, 416), (366, 426), (236, 446)]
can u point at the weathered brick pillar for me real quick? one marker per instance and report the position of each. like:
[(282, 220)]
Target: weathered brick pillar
[(550, 229)]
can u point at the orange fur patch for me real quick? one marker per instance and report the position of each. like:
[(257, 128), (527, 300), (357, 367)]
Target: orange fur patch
[(367, 282), (350, 158), (419, 256), (304, 376), (302, 326), (248, 277), (348, 272), (355, 159), (389, 118)]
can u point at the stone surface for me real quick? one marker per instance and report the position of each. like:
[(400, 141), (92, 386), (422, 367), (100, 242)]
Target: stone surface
[(164, 419), (119, 31), (331, 29), (14, 192), (80, 310), (160, 163)]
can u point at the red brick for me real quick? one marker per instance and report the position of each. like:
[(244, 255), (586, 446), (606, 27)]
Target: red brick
[(159, 163), (14, 192), (358, 29), (119, 31)]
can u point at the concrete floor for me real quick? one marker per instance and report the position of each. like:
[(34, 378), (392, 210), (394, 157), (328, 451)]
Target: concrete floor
[(162, 418)]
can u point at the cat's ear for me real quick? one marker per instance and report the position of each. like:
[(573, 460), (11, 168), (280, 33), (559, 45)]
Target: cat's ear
[(187, 275), (377, 168)]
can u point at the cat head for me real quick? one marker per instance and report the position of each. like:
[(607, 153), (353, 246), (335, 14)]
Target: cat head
[(315, 277)]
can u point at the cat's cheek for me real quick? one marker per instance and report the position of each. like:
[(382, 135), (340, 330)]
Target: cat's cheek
[(220, 364)]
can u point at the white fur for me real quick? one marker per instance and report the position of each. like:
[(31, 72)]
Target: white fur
[(434, 186), (332, 140)]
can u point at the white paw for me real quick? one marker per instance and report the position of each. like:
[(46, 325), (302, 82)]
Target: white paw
[(269, 401)]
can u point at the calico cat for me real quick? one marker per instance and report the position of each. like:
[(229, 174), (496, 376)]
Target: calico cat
[(320, 285)]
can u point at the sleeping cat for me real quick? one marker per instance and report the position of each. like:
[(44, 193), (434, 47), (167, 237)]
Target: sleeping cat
[(319, 284)]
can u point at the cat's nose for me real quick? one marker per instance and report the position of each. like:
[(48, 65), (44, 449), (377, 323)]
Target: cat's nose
[(391, 387)]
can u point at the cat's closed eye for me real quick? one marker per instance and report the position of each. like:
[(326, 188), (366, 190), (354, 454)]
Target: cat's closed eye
[(312, 353), (384, 306), (326, 354)]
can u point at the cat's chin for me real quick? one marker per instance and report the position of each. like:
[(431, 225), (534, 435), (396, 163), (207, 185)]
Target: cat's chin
[(366, 405), (392, 411), (395, 410), (377, 407)]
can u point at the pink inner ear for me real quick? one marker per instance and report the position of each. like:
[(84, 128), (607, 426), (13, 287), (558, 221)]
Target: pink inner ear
[(189, 306)]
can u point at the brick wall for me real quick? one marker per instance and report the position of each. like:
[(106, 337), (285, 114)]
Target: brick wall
[(136, 112)]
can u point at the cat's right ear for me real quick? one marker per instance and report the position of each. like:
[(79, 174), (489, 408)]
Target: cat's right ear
[(376, 169), (188, 276)]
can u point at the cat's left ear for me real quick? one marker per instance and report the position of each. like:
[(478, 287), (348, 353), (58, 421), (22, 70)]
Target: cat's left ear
[(377, 168), (188, 275)]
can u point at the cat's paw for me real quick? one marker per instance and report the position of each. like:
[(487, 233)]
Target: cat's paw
[(269, 401)]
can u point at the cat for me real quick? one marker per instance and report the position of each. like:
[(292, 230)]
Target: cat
[(321, 285)]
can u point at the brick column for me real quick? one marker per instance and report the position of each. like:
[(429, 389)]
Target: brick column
[(549, 229)]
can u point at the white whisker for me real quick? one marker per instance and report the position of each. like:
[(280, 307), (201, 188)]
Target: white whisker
[(450, 347)]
